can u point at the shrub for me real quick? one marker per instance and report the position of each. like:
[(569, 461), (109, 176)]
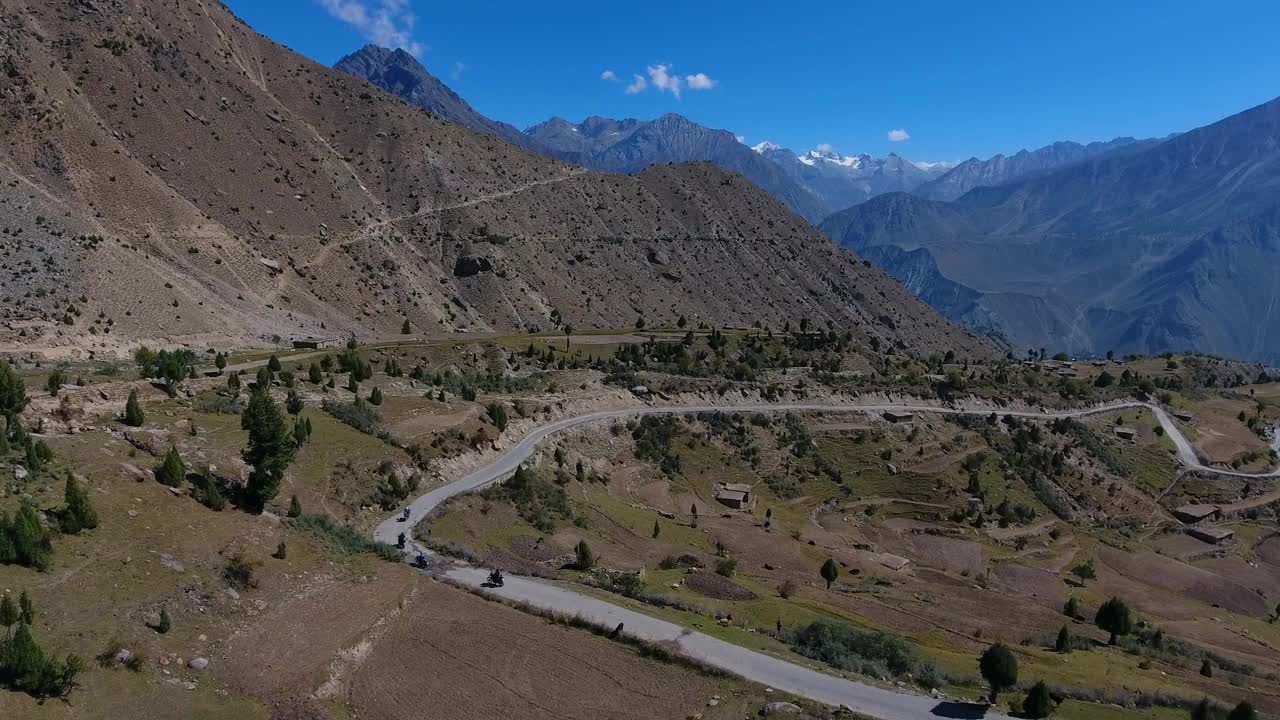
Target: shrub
[(726, 567), (1038, 703), (239, 572), (344, 539), (359, 415), (854, 650), (787, 589)]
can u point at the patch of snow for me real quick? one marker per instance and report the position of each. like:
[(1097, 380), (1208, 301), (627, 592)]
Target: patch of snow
[(942, 164)]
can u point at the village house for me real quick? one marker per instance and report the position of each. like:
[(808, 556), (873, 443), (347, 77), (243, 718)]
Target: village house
[(895, 416), (312, 343), (1126, 433), (1212, 535), (1193, 514), (737, 496)]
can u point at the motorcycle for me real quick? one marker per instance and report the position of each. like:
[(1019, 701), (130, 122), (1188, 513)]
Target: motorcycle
[(495, 578), (400, 541)]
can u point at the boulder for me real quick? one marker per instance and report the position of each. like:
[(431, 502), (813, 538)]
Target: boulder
[(198, 663), (780, 708)]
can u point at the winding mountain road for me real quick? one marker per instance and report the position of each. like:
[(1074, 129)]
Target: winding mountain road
[(756, 666)]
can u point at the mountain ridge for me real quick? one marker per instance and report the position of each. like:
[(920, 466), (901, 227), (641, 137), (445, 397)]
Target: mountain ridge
[(1091, 241), (173, 176)]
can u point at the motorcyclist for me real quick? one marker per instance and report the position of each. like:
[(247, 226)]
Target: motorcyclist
[(400, 541), (495, 577)]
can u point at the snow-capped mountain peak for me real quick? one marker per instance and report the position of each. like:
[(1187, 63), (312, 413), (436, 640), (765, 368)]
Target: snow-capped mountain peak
[(812, 157), (766, 146)]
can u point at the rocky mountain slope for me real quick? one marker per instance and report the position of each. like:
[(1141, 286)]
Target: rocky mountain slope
[(1169, 247), (169, 174), (400, 73)]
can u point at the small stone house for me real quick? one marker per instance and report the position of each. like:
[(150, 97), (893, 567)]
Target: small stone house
[(313, 343), (1193, 514), (895, 416), (1126, 433), (1212, 535), (737, 496)]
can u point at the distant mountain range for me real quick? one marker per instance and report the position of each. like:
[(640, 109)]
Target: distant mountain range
[(1127, 245), (840, 181), (629, 146), (1150, 246), (974, 173), (814, 185)]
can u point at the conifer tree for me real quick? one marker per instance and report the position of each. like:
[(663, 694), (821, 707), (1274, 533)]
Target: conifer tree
[(79, 513), (270, 450), (8, 613), (172, 470), (133, 415)]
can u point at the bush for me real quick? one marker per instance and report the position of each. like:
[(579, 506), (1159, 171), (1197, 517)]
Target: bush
[(787, 589), (726, 567), (239, 572), (342, 538), (359, 415), (1038, 703), (845, 648), (207, 492)]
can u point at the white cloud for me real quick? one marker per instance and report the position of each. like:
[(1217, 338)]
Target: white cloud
[(609, 75), (664, 81), (637, 86), (458, 69), (384, 22), (898, 135), (700, 81), (824, 147)]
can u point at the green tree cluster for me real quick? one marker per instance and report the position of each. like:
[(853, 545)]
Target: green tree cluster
[(24, 665), (24, 540), (13, 397), (170, 367)]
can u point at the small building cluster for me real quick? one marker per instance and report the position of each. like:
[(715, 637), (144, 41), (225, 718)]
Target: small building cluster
[(1198, 516)]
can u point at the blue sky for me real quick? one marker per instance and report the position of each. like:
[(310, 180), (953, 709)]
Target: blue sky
[(959, 78)]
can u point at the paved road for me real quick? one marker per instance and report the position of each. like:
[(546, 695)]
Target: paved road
[(767, 670)]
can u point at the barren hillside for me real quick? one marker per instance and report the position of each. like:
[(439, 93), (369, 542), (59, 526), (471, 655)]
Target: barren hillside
[(169, 174)]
